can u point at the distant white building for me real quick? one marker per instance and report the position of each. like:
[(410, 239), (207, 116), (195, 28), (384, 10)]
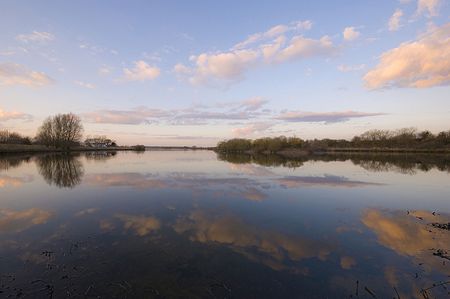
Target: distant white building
[(99, 142)]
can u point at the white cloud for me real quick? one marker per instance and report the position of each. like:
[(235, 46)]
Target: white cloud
[(227, 65), (429, 7), (199, 114), (301, 47), (85, 84), (35, 36), (231, 66), (394, 21), (9, 115), (419, 64), (141, 72), (94, 49), (350, 33), (260, 48), (104, 70), (153, 56), (303, 25), (253, 104), (270, 50), (16, 74), (8, 52), (250, 40), (274, 32), (131, 117), (181, 69), (251, 129), (351, 68), (327, 117)]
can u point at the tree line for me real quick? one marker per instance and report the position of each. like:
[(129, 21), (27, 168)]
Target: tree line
[(406, 138), (8, 137), (62, 131)]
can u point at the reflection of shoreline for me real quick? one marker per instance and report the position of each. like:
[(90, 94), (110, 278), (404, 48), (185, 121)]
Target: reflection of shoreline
[(13, 161), (64, 170), (99, 155), (42, 149), (406, 163)]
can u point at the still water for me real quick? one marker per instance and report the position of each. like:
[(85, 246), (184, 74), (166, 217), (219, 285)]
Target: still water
[(192, 224)]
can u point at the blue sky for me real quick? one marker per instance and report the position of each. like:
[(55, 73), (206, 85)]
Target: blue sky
[(195, 72)]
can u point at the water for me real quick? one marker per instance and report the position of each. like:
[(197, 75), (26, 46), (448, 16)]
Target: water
[(187, 224)]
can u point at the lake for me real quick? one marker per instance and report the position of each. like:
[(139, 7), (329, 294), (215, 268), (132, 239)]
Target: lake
[(194, 224)]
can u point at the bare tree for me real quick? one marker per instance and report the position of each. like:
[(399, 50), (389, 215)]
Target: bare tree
[(62, 131), (7, 137)]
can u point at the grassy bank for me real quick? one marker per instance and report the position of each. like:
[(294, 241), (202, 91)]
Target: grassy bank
[(389, 150), (23, 148), (298, 153), (303, 152)]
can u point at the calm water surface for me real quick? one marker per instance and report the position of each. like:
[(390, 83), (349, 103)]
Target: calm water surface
[(190, 224)]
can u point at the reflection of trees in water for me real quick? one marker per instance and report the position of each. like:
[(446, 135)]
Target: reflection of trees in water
[(10, 161), (261, 159), (382, 166), (99, 155), (63, 170), (402, 163)]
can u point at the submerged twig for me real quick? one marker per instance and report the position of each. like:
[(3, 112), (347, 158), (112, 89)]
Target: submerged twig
[(370, 292)]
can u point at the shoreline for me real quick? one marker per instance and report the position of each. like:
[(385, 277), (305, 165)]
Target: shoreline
[(12, 149), (287, 153), (299, 153), (22, 148), (389, 150)]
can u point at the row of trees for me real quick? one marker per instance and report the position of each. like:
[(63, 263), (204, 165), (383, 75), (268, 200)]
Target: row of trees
[(270, 144), (60, 131), (402, 138), (8, 137), (407, 137)]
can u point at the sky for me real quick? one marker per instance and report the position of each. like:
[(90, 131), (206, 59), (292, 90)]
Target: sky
[(197, 72)]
